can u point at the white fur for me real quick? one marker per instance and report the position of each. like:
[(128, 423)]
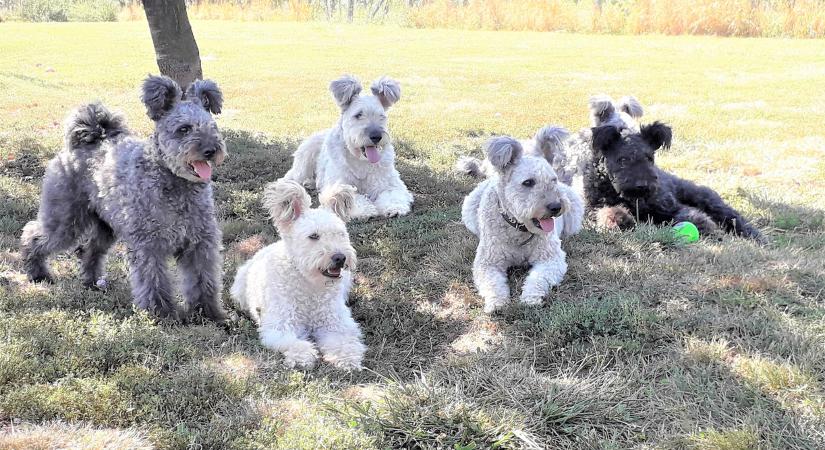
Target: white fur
[(502, 246), (300, 312), (335, 155)]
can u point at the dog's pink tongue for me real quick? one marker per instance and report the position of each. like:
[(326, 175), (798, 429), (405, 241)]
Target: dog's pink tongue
[(547, 225), (372, 153), (203, 169)]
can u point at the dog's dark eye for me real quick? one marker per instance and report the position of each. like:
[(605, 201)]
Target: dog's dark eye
[(528, 182), (314, 236), (359, 115), (622, 161), (184, 129)]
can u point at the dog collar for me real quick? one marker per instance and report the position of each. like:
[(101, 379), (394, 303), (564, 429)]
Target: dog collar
[(515, 224)]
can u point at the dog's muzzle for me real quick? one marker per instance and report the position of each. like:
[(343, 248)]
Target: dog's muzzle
[(336, 266)]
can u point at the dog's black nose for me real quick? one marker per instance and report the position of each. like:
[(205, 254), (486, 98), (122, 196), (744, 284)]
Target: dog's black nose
[(338, 260), (209, 152), (375, 137), (554, 208)]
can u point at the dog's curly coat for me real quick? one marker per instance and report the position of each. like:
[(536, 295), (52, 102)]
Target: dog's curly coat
[(357, 151), (518, 214), (154, 195), (296, 289)]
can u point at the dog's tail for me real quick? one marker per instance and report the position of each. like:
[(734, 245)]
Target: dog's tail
[(305, 158), (474, 167), (91, 124)]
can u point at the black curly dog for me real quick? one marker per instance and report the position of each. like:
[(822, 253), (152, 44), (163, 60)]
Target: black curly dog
[(624, 185)]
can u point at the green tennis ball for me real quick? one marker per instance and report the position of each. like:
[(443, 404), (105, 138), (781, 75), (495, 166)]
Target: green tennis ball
[(686, 232)]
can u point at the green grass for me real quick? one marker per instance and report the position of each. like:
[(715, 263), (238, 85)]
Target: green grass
[(645, 344)]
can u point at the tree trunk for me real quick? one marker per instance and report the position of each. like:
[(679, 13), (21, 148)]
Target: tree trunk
[(350, 9), (175, 46)]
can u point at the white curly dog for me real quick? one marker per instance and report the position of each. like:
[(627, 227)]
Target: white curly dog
[(357, 151), (296, 289), (519, 215)]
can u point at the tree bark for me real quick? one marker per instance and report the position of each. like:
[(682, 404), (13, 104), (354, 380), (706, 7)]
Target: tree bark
[(175, 46), (350, 10)]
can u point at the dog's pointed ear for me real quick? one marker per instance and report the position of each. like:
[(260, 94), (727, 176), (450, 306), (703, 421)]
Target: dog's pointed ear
[(604, 137), (340, 199), (601, 109), (631, 106), (503, 152), (159, 94), (285, 200), (207, 94), (551, 141), (657, 135), (387, 90), (345, 90)]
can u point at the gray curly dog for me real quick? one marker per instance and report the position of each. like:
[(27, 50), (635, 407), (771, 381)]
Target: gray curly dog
[(154, 195)]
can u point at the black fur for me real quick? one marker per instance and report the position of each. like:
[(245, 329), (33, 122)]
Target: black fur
[(625, 180)]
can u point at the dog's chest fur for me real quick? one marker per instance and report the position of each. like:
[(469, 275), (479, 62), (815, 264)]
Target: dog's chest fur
[(137, 196), (504, 242), (369, 179)]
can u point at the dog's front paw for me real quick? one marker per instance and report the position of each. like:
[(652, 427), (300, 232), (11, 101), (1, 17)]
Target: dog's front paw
[(396, 210), (493, 305), (347, 356), (364, 209), (531, 299), (301, 354), (615, 217)]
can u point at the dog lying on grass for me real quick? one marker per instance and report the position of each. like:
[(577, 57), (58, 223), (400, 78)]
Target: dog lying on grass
[(519, 215), (296, 289)]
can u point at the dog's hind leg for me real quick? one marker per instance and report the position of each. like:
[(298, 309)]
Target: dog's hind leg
[(50, 234), (93, 252), (200, 267), (151, 287), (709, 202), (704, 223)]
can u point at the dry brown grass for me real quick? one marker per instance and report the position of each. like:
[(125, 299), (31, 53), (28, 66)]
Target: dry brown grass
[(765, 18), (804, 18)]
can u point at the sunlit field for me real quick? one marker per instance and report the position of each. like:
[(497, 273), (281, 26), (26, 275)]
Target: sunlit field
[(646, 343)]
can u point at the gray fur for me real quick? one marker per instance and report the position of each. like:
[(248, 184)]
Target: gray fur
[(106, 183), (159, 95), (473, 167), (631, 106), (207, 93), (344, 90), (503, 152), (387, 90), (624, 114)]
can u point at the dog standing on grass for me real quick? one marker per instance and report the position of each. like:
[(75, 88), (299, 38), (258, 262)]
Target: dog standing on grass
[(154, 195), (357, 151), (519, 215), (296, 289)]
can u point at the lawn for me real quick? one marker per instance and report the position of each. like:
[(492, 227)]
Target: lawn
[(646, 344)]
